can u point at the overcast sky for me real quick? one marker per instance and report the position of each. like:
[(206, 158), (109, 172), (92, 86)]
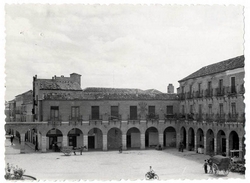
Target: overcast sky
[(117, 46)]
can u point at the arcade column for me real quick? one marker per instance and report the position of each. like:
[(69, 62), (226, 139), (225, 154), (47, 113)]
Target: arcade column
[(44, 142), (22, 147), (85, 141), (161, 139), (124, 141), (142, 140), (105, 142)]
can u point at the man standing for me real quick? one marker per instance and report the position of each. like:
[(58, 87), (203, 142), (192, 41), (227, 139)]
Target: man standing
[(11, 139)]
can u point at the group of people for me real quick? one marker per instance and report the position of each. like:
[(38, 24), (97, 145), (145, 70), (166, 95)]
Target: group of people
[(208, 163)]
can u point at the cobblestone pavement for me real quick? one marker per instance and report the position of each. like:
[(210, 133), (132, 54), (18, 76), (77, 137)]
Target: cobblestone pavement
[(110, 165)]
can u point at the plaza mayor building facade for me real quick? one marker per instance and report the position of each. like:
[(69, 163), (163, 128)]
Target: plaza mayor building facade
[(207, 113)]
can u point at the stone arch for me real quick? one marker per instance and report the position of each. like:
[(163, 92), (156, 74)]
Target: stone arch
[(169, 137), (233, 140), (183, 135), (114, 138), (133, 138), (221, 142), (210, 142), (75, 137), (151, 137), (95, 139), (54, 136), (200, 138), (191, 139)]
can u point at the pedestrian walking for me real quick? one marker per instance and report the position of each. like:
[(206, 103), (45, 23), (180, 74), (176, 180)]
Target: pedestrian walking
[(181, 146), (210, 166), (11, 139), (205, 166), (36, 147), (120, 149)]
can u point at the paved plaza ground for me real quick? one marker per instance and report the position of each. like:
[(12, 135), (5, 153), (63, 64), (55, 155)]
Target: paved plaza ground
[(110, 165)]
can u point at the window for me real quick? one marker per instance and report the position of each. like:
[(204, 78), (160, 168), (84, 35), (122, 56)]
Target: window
[(191, 109), (151, 109), (182, 89), (183, 109), (54, 112), (200, 110), (199, 88), (220, 86), (233, 88), (233, 108), (95, 112), (75, 112), (209, 92), (221, 110), (190, 88), (114, 112), (210, 110), (170, 110), (133, 112)]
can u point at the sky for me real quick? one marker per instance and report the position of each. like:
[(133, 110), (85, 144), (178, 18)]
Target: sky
[(120, 46)]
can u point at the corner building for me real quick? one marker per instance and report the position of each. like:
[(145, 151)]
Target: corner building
[(206, 113)]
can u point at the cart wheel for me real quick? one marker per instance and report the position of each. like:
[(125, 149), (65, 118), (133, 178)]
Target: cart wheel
[(156, 177), (147, 176), (215, 169)]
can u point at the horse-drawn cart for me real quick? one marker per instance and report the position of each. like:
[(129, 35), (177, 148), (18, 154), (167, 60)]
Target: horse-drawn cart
[(220, 164), (68, 150)]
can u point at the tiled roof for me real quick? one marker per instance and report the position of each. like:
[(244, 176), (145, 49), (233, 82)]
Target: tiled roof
[(58, 85), (112, 90), (112, 94), (230, 64)]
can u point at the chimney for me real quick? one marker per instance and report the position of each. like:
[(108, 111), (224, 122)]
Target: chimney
[(76, 78), (170, 88)]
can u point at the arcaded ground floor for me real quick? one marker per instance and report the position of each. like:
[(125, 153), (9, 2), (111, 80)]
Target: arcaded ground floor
[(110, 165)]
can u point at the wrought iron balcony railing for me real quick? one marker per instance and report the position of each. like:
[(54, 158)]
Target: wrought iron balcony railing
[(220, 91), (209, 92), (152, 116), (95, 117), (115, 118), (75, 120)]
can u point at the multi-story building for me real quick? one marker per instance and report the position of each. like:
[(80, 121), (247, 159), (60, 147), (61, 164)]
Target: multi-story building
[(23, 107), (215, 95), (206, 114)]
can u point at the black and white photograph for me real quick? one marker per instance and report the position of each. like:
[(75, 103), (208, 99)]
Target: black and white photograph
[(124, 92)]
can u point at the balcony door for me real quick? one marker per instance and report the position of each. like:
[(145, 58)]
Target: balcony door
[(95, 112), (233, 88), (54, 112), (114, 112), (133, 112)]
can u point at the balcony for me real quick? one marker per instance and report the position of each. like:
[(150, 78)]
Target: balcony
[(220, 118), (232, 117), (199, 94), (208, 92), (199, 117), (133, 118), (242, 89), (220, 91), (115, 118), (75, 120), (231, 90), (95, 117), (209, 118), (152, 117), (55, 121), (189, 95)]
